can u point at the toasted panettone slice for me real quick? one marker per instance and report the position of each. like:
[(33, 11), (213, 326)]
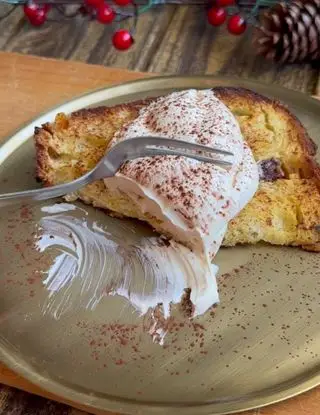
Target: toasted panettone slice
[(285, 211)]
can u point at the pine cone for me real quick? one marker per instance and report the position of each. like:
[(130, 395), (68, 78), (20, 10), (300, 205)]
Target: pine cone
[(290, 32)]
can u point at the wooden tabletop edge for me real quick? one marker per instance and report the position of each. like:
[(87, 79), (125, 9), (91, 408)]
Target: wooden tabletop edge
[(8, 56)]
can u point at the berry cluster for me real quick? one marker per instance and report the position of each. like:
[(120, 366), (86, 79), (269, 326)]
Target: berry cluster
[(98, 9), (217, 15)]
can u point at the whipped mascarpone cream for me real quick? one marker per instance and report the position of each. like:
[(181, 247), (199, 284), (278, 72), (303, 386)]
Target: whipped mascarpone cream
[(187, 200), (91, 263)]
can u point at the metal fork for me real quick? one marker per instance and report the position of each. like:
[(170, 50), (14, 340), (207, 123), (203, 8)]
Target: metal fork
[(126, 150)]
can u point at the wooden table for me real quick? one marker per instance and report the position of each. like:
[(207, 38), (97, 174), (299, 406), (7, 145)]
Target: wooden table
[(169, 39)]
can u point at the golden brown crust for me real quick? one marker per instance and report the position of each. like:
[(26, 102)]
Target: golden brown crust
[(82, 137), (270, 128), (282, 212), (252, 98)]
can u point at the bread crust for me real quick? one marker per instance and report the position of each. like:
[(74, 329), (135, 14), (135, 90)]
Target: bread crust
[(89, 121), (229, 94), (298, 147)]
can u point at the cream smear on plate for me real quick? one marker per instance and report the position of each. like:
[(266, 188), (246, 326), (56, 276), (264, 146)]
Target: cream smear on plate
[(91, 263)]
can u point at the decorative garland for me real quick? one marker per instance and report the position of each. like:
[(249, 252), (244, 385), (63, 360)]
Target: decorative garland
[(237, 14)]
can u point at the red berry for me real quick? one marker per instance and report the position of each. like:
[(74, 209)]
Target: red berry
[(105, 14), (31, 9), (94, 3), (216, 16), (224, 3), (122, 39), (36, 14), (122, 2), (39, 18), (237, 25)]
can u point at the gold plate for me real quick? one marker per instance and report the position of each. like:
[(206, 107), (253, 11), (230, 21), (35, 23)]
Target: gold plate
[(260, 346)]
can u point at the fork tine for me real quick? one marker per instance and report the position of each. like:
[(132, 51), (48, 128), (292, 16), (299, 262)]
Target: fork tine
[(150, 142), (149, 152), (148, 146)]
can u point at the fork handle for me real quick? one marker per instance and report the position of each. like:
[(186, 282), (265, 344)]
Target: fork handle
[(46, 193)]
